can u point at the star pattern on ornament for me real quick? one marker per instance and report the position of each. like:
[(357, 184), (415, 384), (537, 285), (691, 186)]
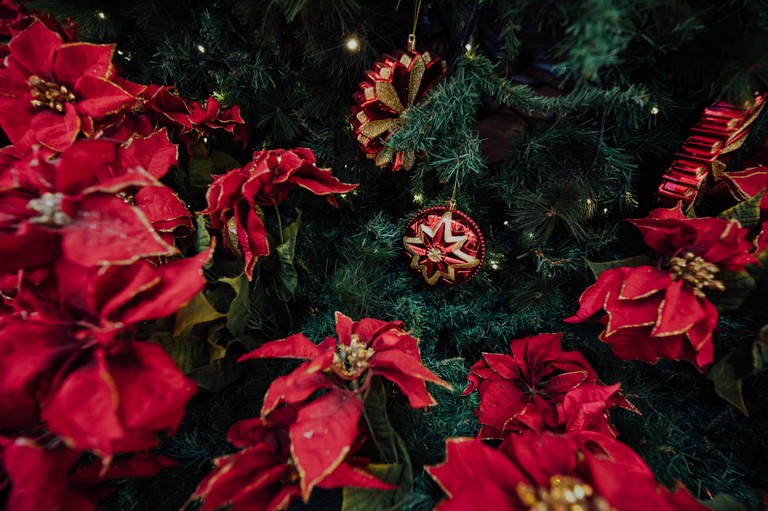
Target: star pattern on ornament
[(438, 252)]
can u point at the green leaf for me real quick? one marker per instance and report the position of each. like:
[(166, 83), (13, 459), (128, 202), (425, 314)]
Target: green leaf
[(196, 312), (362, 499), (200, 172), (187, 351), (223, 162), (289, 278), (746, 212), (633, 262), (724, 502), (217, 375), (239, 309), (392, 450), (727, 384), (202, 238), (738, 286)]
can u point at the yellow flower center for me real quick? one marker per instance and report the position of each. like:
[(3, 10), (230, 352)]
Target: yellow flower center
[(696, 272), (353, 359), (49, 94), (48, 206), (564, 494)]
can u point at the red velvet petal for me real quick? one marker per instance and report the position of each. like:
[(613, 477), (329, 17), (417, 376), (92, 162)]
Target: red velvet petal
[(107, 230), (644, 281), (155, 154), (16, 120), (322, 436), (504, 365), (54, 130), (163, 208), (344, 328), (73, 60), (679, 311), (564, 382), (294, 387), (294, 346), (593, 299), (34, 48), (99, 97), (347, 475)]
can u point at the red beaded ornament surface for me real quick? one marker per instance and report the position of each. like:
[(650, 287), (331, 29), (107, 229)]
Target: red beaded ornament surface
[(444, 245), (387, 91), (722, 128)]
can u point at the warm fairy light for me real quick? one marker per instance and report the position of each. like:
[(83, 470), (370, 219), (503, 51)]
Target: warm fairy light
[(353, 44), (654, 110), (494, 265), (506, 222), (417, 197), (605, 210), (201, 48), (101, 15), (468, 47)]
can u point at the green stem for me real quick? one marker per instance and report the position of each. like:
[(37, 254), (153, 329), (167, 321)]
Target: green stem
[(279, 223)]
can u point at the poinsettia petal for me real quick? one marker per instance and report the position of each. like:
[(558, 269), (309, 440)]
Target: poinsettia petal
[(468, 464), (540, 349), (565, 382), (624, 314), (107, 230), (100, 97), (34, 48), (74, 60), (155, 154), (319, 181), (586, 408), (643, 281), (39, 478), (54, 130), (679, 311), (16, 121), (500, 402), (347, 475), (344, 326), (294, 346), (163, 207), (504, 365), (322, 436), (294, 387), (593, 298)]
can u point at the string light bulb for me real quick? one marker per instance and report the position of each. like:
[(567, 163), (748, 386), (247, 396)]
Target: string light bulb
[(101, 15), (352, 44), (654, 110), (468, 47), (201, 48)]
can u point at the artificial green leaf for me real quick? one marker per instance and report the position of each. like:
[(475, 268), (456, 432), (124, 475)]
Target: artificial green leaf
[(202, 238), (633, 262), (289, 278), (239, 309), (187, 351), (724, 502), (223, 162), (362, 499), (196, 312), (201, 172), (738, 286), (217, 375), (727, 384), (746, 212)]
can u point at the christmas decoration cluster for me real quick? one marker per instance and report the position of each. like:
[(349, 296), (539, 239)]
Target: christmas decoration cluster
[(106, 274)]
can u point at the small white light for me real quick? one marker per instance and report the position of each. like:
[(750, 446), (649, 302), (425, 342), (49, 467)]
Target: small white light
[(205, 140), (417, 197), (506, 222), (353, 44), (468, 47), (530, 235), (201, 48), (589, 202), (654, 110), (494, 266), (120, 52), (101, 15), (605, 210), (343, 195)]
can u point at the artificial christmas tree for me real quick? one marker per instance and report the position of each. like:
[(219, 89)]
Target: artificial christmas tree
[(167, 247)]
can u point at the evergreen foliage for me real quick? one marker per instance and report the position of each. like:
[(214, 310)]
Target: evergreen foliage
[(624, 82)]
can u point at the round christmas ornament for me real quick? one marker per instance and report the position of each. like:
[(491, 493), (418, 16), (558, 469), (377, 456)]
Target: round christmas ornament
[(721, 129), (385, 94), (444, 245)]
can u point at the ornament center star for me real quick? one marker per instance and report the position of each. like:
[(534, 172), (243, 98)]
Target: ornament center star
[(437, 252)]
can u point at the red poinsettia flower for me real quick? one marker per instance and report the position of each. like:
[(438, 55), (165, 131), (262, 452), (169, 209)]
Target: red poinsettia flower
[(656, 313), (71, 364), (51, 91), (549, 472), (191, 120), (41, 477), (365, 348), (233, 197), (70, 205), (525, 389), (266, 475)]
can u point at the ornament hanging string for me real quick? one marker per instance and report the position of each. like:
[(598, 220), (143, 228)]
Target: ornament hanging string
[(412, 35), (452, 201)]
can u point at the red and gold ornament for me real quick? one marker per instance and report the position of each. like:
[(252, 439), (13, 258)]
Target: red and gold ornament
[(386, 92), (444, 245), (722, 128)]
